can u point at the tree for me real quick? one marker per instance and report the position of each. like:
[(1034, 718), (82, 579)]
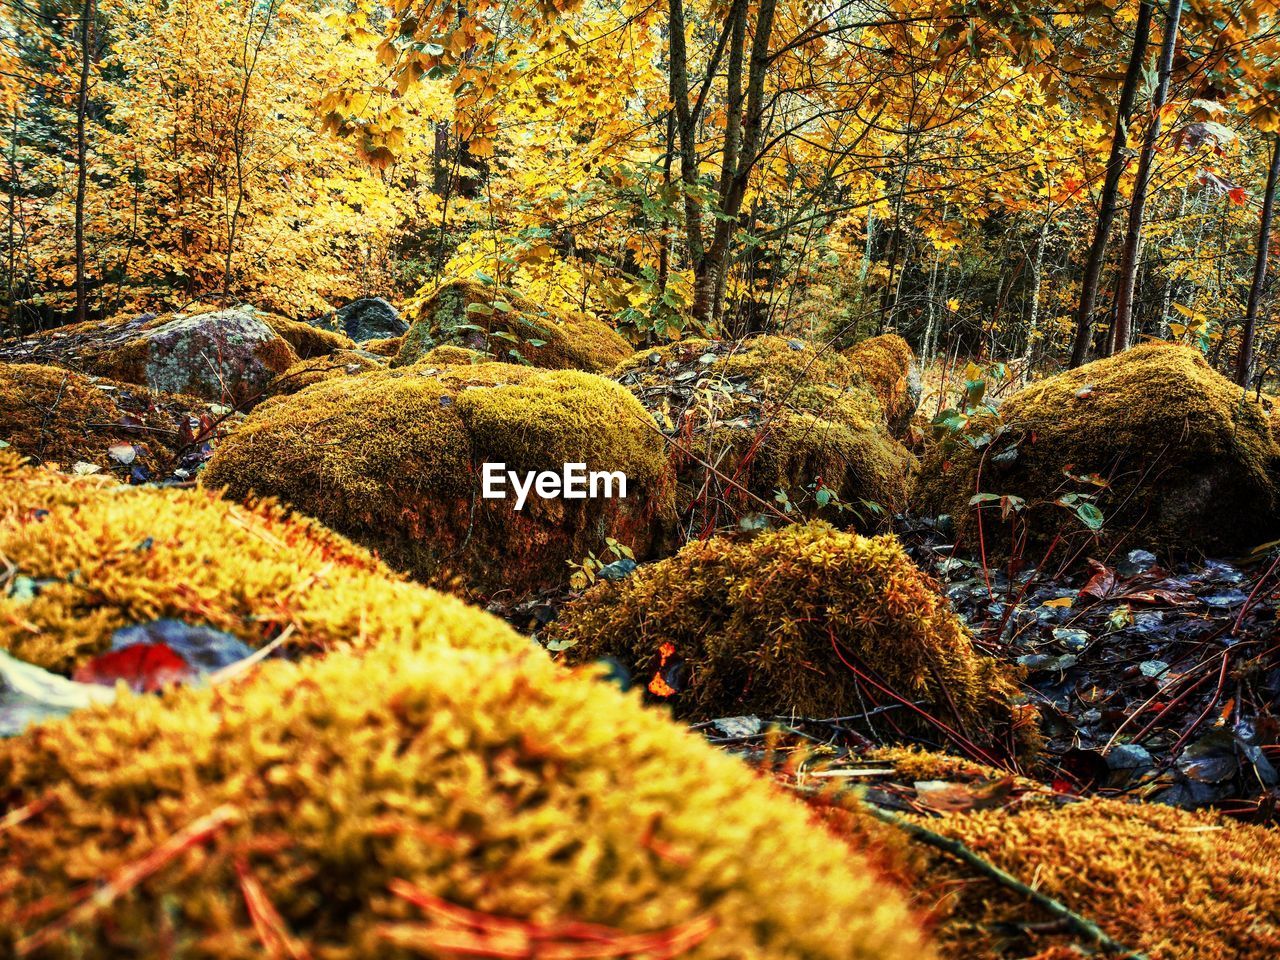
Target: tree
[(1244, 359), (1121, 332), (1110, 187)]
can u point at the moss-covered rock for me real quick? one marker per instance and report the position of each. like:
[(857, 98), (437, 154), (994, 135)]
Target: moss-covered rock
[(332, 794), (308, 340), (449, 355), (58, 417), (1170, 884), (100, 557), (770, 415), (383, 346), (394, 460), (227, 356), (342, 363), (887, 366), (808, 621), (505, 326), (1176, 457)]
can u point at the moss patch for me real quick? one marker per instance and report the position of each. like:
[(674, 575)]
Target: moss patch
[(783, 623), (304, 373), (1171, 884), (771, 415), (887, 366), (102, 557), (308, 341), (501, 324), (393, 459), (58, 417), (383, 347), (487, 781), (1186, 457)]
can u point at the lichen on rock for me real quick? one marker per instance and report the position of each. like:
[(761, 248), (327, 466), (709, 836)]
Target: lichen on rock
[(394, 459), (226, 356), (807, 621), (505, 326), (1173, 455), (771, 415)]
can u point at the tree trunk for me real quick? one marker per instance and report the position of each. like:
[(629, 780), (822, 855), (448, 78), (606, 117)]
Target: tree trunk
[(732, 192), (82, 158), (1110, 187), (1244, 360), (1133, 234)]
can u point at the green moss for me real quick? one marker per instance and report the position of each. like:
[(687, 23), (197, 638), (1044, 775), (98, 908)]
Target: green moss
[(304, 373), (449, 355), (105, 557), (1187, 458), (505, 326), (762, 627), (887, 366), (308, 341), (487, 781), (393, 459), (771, 414)]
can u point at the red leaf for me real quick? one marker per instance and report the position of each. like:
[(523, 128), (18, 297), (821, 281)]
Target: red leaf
[(1237, 196), (1102, 584), (144, 667)]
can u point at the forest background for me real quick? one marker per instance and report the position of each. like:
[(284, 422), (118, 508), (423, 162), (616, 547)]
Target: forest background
[(993, 180)]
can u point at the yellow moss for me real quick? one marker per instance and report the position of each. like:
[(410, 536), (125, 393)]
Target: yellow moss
[(341, 363), (307, 340), (1168, 883), (489, 781), (1172, 884), (887, 366), (775, 414), (383, 347), (393, 459), (450, 355), (104, 557), (498, 322), (762, 627), (58, 416), (1187, 457)]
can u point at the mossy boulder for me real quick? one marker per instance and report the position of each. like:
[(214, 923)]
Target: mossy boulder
[(226, 356), (770, 415), (1171, 454), (505, 326), (806, 621), (383, 346), (79, 423), (394, 459), (1170, 884), (308, 341), (888, 367), (304, 373), (449, 355), (96, 557), (360, 805)]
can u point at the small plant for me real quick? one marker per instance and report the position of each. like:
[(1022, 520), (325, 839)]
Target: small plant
[(587, 571)]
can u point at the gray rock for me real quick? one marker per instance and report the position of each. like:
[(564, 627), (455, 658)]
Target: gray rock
[(370, 318), (228, 355)]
